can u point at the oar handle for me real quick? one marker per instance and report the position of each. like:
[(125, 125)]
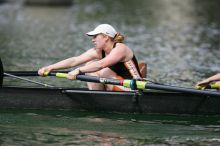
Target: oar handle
[(214, 86), (58, 74), (61, 75), (210, 86)]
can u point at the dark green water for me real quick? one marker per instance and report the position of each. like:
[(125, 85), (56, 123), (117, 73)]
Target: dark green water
[(84, 128), (178, 39)]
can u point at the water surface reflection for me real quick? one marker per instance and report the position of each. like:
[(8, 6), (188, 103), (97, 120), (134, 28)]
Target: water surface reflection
[(83, 128)]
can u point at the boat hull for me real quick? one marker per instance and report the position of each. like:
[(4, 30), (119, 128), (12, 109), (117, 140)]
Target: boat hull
[(123, 102)]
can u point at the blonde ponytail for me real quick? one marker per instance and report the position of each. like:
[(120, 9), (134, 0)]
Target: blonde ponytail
[(119, 38)]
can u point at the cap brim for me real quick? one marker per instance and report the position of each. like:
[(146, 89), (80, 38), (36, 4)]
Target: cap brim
[(92, 33)]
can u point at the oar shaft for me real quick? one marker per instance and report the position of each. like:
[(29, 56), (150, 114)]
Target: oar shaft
[(98, 80), (180, 89), (89, 78), (27, 73), (139, 84), (22, 73), (130, 83)]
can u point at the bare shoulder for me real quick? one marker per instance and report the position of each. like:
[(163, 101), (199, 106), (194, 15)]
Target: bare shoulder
[(124, 51), (122, 47)]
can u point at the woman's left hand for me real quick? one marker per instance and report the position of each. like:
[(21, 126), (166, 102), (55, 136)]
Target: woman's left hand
[(72, 75)]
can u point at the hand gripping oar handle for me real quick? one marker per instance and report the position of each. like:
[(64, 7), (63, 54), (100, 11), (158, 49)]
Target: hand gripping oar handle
[(210, 86)]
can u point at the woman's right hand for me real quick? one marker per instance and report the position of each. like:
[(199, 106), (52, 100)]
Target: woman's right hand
[(203, 83), (44, 70)]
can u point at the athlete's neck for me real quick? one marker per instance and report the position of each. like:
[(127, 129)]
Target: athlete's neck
[(108, 47)]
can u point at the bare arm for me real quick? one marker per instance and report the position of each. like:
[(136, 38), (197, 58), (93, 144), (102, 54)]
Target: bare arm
[(209, 80), (115, 56), (70, 62)]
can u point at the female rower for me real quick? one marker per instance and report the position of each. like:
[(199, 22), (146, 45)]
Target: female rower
[(109, 58), (206, 82)]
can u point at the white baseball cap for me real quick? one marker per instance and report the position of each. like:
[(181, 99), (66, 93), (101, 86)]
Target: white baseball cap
[(105, 29)]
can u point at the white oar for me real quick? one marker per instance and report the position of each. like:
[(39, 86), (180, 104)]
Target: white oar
[(31, 81)]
